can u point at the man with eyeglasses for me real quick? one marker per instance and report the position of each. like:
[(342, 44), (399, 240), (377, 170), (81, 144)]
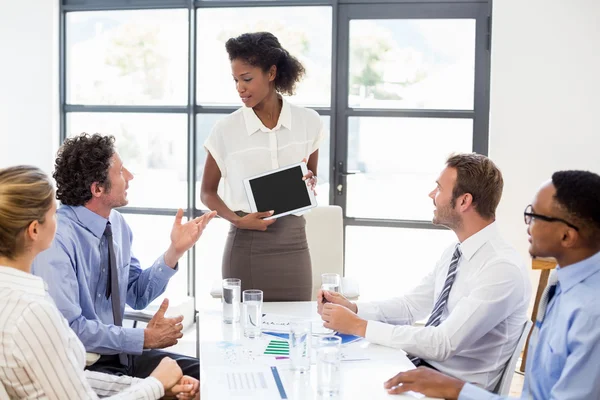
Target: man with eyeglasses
[(564, 349)]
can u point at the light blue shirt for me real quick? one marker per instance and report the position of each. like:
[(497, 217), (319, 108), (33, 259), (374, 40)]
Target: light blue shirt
[(75, 267), (565, 363)]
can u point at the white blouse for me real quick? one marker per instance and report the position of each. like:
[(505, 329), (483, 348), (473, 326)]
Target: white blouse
[(243, 147)]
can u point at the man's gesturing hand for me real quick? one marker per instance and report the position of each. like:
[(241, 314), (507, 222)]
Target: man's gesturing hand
[(162, 332)]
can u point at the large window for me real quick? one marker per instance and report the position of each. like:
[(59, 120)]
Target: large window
[(399, 85)]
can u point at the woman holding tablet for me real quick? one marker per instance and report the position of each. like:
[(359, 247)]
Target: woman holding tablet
[(265, 134)]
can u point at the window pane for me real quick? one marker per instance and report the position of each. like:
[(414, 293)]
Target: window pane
[(412, 63), (311, 44), (398, 161), (404, 257), (127, 57), (153, 147), (204, 126), (323, 169), (205, 123), (151, 238), (209, 255)]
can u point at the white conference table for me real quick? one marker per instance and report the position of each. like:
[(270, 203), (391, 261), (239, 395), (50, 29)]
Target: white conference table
[(361, 379)]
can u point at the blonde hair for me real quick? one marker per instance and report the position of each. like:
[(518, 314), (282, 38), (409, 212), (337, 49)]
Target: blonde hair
[(26, 195)]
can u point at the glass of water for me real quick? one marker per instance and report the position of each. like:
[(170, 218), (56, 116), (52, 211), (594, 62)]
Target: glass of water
[(329, 377), (300, 338), (230, 297), (331, 282), (253, 300)]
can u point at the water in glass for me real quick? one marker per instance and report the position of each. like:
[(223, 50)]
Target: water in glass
[(231, 303)]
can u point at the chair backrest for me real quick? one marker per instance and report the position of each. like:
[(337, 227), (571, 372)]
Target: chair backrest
[(503, 387), (325, 236)]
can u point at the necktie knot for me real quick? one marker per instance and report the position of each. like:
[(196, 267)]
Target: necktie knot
[(457, 252), (108, 230)]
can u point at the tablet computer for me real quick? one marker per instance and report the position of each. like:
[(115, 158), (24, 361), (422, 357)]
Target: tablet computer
[(281, 190)]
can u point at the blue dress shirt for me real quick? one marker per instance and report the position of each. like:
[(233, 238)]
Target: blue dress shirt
[(75, 267), (565, 363)]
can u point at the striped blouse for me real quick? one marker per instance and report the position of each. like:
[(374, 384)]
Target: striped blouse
[(42, 358)]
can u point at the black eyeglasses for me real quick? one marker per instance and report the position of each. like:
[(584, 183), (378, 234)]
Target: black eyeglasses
[(528, 215)]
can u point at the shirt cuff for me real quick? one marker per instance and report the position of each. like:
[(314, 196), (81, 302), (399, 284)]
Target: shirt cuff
[(379, 333), (472, 392), (134, 341), (367, 311), (157, 388), (162, 272)]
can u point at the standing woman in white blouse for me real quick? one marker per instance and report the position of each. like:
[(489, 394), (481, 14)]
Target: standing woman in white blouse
[(40, 356), (265, 134)]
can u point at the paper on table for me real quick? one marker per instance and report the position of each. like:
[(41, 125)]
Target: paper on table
[(346, 339), (230, 354), (276, 323), (244, 382), (281, 324)]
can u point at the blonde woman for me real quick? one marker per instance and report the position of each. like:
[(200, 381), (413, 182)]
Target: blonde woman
[(40, 356)]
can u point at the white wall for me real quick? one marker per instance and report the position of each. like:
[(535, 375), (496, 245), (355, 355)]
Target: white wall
[(545, 98), (28, 82)]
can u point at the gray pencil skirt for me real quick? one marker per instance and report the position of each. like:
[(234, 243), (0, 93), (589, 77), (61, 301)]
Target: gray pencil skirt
[(276, 261)]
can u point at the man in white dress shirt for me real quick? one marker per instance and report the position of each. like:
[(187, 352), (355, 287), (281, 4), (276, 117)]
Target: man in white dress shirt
[(476, 297)]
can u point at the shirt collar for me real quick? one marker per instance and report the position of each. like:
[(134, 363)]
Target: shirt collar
[(474, 242), (90, 220), (254, 124), (16, 279), (576, 273)]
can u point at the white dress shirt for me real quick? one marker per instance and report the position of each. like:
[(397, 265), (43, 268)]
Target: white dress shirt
[(483, 318), (42, 358), (243, 147)]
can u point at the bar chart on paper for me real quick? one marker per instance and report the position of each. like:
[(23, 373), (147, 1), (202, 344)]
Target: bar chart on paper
[(278, 348), (242, 381), (257, 382)]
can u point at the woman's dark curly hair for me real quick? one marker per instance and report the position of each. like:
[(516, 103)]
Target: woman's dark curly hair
[(262, 49), (81, 161)]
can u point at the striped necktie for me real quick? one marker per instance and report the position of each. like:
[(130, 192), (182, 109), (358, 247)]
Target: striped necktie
[(547, 295), (440, 304)]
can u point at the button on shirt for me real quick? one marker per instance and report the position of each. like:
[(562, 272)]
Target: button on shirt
[(243, 147), (40, 356), (483, 318), (75, 268), (564, 364)]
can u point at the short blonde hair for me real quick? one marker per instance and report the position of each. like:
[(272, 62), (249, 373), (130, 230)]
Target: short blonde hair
[(26, 195)]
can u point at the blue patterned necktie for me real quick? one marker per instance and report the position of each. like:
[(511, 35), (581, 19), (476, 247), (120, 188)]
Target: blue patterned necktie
[(547, 295), (438, 308)]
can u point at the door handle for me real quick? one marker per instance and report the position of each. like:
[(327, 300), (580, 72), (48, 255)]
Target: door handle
[(341, 174)]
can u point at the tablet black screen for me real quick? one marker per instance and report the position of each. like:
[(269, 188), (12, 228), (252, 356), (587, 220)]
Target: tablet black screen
[(282, 191)]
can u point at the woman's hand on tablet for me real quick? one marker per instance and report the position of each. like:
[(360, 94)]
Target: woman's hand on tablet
[(311, 180), (255, 221)]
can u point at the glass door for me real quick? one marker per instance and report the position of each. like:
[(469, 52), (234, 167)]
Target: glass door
[(412, 89)]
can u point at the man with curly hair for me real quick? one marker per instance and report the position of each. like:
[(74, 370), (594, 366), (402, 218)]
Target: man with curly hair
[(564, 348), (93, 271)]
